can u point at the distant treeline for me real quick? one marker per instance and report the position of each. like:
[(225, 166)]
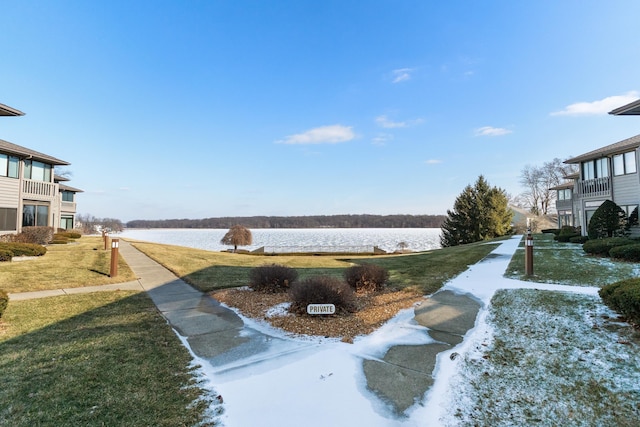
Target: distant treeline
[(318, 221)]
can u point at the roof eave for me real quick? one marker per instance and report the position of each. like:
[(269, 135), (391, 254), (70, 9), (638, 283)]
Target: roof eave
[(609, 150), (631, 109), (27, 153), (5, 110)]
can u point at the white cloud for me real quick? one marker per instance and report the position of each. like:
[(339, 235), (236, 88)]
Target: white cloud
[(433, 161), (322, 135), (402, 74), (602, 106), (491, 131), (381, 139), (383, 121)]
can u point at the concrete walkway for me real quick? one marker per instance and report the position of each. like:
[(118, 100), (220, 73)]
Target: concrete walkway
[(220, 336)]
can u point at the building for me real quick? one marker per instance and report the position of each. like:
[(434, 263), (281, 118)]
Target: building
[(30, 193), (606, 173)]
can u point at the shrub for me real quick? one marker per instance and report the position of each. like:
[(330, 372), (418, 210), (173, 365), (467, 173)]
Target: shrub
[(609, 220), (39, 235), (579, 239), (69, 234), (626, 252), (623, 297), (566, 233), (59, 239), (272, 278), (555, 231), (4, 301), (603, 246), (366, 277), (5, 255), (322, 290), (24, 249)]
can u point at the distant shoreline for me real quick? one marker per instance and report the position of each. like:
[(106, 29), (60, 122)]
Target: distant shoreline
[(315, 221)]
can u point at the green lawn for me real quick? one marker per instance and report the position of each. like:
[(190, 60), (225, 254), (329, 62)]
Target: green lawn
[(106, 358), (109, 358), (567, 264), (425, 272), (82, 263)]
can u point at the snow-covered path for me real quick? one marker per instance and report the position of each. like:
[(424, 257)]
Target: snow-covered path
[(324, 384)]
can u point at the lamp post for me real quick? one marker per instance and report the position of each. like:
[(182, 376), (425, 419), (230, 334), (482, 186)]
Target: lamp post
[(114, 257), (528, 250)]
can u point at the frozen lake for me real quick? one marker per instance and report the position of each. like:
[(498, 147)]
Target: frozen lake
[(388, 239)]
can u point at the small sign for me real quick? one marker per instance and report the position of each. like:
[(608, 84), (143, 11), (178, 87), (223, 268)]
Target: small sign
[(321, 309)]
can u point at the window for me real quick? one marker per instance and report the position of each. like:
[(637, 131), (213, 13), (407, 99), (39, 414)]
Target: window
[(66, 222), (35, 215), (593, 169), (565, 218), (631, 212), (37, 171), (8, 219), (624, 164), (67, 196), (564, 194), (9, 166)]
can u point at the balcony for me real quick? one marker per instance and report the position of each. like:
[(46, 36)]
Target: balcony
[(597, 187), (39, 190), (566, 204), (68, 207)]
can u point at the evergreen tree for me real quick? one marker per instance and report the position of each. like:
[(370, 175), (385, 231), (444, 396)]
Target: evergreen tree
[(479, 213), (609, 220)]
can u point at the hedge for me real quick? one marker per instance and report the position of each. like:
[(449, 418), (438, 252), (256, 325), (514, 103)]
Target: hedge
[(579, 239), (555, 231), (603, 246), (39, 234), (4, 301), (624, 297), (5, 255), (626, 252), (567, 232), (23, 249)]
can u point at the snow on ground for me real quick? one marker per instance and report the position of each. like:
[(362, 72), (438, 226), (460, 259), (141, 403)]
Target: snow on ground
[(324, 384)]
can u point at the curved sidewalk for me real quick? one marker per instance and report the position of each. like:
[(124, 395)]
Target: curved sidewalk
[(213, 332), (217, 334)]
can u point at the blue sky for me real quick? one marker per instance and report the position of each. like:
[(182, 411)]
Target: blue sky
[(194, 109)]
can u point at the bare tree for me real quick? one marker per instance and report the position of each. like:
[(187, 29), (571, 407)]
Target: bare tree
[(112, 225), (90, 224), (87, 223), (530, 179), (237, 235), (539, 182)]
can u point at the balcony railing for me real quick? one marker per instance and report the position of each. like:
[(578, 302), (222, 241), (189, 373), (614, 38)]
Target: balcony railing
[(68, 206), (564, 204), (594, 187), (39, 190)]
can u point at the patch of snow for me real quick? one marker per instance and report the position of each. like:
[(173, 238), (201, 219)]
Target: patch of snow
[(324, 383), (279, 310)]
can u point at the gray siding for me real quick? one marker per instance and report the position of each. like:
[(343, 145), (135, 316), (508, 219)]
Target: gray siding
[(9, 192), (626, 189)]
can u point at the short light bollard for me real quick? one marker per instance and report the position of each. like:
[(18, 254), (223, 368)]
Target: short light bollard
[(114, 257), (528, 255), (105, 238)]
